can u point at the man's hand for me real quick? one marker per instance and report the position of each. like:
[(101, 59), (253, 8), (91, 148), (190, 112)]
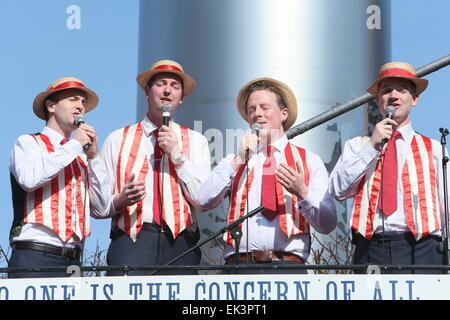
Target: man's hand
[(383, 130), (132, 192), (246, 150), (85, 135), (293, 181), (168, 141)]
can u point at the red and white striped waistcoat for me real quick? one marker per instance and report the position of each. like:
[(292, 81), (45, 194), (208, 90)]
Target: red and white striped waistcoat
[(292, 222), (60, 204), (134, 155), (421, 203)]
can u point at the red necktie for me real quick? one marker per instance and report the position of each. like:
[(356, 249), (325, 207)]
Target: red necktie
[(388, 200), (156, 180), (64, 140), (268, 190)]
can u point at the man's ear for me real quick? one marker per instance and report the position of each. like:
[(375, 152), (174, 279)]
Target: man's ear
[(50, 106), (182, 97), (284, 114), (415, 100)]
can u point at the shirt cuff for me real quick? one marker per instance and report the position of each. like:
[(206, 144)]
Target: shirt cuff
[(303, 206), (183, 171), (227, 169), (368, 153), (229, 172), (95, 162), (74, 146), (112, 209)]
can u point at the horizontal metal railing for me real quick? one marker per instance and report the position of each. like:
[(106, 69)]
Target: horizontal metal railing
[(243, 266), (354, 103)]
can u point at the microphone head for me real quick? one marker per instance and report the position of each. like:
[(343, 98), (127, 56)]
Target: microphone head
[(165, 110), (389, 112), (166, 107), (78, 119), (256, 127)]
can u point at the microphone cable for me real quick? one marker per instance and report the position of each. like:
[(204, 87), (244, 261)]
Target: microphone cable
[(389, 113), (255, 130), (86, 186), (78, 120), (165, 109), (247, 205), (380, 200), (161, 193)]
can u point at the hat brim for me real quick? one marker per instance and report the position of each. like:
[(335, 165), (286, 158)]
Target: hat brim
[(39, 101), (420, 83), (188, 82), (288, 97)]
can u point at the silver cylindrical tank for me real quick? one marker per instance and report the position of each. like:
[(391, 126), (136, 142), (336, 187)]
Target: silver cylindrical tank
[(327, 51)]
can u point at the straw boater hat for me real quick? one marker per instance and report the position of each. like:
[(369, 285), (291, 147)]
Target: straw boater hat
[(398, 70), (286, 94), (64, 84), (170, 66)]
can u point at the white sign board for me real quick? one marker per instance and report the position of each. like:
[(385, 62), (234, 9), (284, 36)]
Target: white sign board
[(230, 287)]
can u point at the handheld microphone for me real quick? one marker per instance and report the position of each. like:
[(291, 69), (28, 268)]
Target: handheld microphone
[(255, 128), (165, 109), (390, 113), (79, 119)]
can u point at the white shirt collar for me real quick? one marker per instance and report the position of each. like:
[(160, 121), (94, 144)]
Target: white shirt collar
[(279, 144), (148, 126), (54, 136), (407, 132)]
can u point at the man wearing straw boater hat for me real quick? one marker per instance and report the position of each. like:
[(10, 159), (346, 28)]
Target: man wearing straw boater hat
[(268, 170), (49, 174), (395, 178), (155, 171)]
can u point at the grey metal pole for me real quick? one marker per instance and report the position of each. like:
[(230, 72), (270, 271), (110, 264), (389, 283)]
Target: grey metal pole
[(352, 104)]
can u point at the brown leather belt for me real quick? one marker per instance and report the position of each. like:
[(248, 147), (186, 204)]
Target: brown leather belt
[(69, 253), (260, 256)]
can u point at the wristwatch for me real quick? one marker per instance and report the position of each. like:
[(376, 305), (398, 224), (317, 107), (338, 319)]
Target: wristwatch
[(178, 159)]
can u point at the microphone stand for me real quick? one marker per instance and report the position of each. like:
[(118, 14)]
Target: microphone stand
[(232, 227), (444, 132)]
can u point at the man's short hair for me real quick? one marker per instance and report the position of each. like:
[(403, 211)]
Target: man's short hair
[(54, 97), (261, 85)]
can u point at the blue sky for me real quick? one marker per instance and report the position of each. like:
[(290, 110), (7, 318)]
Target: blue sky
[(37, 47)]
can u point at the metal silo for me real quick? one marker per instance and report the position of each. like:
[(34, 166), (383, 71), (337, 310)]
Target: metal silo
[(327, 51)]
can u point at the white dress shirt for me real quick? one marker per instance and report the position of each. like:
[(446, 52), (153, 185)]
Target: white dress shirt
[(191, 175), (354, 163), (263, 234), (32, 168)]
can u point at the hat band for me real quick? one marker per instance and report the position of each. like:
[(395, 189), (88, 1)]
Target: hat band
[(397, 72), (67, 84), (168, 67)]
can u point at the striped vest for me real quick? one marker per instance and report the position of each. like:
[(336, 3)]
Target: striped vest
[(292, 221), (134, 157), (421, 203), (60, 204)]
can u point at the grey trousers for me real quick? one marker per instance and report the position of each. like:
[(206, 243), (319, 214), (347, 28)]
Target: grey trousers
[(22, 258), (397, 249), (152, 248)]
